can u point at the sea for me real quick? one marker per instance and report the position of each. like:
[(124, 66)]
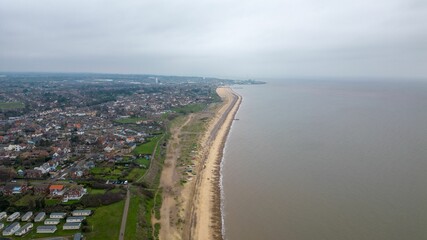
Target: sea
[(327, 160)]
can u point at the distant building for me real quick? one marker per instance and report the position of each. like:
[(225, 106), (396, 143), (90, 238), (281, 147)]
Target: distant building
[(33, 174), (1, 225), (78, 236), (46, 229)]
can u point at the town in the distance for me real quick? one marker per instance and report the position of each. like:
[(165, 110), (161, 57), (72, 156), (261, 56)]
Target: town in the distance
[(71, 145)]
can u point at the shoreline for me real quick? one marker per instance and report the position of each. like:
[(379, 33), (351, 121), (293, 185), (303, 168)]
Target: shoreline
[(206, 221)]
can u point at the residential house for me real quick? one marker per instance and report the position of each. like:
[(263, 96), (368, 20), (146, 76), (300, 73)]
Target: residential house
[(14, 188), (56, 190), (33, 174), (74, 193)]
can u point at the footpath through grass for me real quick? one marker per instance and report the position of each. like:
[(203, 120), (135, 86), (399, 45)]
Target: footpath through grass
[(148, 147), (132, 220)]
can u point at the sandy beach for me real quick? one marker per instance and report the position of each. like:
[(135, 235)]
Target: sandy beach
[(205, 221), (193, 210)]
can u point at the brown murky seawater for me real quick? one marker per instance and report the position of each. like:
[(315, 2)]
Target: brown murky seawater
[(324, 160)]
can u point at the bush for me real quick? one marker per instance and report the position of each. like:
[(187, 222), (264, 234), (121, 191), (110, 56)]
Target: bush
[(96, 200), (98, 185), (86, 229)]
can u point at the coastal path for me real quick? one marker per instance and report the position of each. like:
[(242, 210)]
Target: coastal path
[(125, 214)]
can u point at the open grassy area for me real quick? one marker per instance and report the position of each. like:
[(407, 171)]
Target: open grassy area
[(132, 221), (25, 200), (106, 173), (96, 191), (136, 173), (11, 105), (148, 147), (130, 120), (100, 170), (52, 202), (142, 161), (105, 222), (191, 108)]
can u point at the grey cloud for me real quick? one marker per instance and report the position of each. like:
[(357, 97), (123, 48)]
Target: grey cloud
[(383, 38)]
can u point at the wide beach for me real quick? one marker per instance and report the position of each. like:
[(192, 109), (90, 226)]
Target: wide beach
[(193, 210), (206, 220)]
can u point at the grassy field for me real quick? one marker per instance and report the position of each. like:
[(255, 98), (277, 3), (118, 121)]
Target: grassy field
[(132, 221), (11, 105), (136, 173), (191, 108), (148, 147), (100, 170), (52, 202), (131, 120), (106, 173), (106, 222), (25, 200), (142, 161), (96, 191)]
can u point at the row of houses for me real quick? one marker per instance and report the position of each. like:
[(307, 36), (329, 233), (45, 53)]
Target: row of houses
[(16, 229), (56, 221), (70, 192), (53, 229), (73, 222), (77, 216)]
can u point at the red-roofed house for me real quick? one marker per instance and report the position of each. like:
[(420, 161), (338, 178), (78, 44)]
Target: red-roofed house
[(56, 190)]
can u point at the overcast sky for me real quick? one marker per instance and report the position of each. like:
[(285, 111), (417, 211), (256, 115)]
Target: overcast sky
[(224, 38)]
